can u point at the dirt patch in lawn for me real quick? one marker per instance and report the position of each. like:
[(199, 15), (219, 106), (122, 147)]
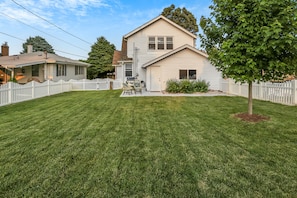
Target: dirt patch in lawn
[(251, 118)]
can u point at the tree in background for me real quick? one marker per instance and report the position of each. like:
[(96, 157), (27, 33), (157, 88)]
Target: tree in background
[(39, 44), (100, 58), (251, 40), (182, 17)]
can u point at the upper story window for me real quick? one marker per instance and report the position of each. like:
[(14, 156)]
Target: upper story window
[(169, 42), (152, 43), (160, 43)]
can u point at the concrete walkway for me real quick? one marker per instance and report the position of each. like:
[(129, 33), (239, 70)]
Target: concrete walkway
[(159, 93)]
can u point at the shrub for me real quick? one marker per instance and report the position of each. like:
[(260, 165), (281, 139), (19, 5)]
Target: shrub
[(186, 86), (173, 86), (201, 86)]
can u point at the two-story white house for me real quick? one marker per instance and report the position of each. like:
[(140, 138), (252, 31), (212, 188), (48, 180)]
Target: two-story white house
[(161, 50)]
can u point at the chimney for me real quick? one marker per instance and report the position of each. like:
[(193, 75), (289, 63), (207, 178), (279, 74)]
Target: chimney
[(29, 48), (5, 49)]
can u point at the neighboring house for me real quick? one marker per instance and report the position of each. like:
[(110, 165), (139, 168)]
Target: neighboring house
[(161, 50), (40, 66)]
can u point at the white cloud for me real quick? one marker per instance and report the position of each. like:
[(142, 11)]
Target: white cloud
[(46, 9)]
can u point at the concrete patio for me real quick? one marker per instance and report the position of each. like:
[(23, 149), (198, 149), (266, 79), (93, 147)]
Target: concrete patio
[(163, 93)]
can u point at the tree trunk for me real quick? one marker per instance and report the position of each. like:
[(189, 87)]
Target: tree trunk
[(250, 99)]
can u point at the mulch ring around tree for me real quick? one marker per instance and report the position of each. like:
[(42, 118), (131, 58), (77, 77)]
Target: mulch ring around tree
[(254, 118)]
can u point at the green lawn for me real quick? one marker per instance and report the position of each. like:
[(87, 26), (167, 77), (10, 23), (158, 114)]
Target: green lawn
[(96, 144)]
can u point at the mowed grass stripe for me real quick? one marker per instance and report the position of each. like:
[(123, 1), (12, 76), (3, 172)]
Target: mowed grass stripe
[(96, 144)]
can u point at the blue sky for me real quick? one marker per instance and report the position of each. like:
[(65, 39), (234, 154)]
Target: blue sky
[(85, 19)]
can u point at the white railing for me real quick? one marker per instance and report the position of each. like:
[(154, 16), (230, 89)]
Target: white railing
[(14, 92), (284, 92)]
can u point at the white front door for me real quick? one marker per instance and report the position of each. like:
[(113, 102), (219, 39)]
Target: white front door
[(155, 78)]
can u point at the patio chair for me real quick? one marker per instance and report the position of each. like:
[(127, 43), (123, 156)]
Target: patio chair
[(127, 89), (137, 86)]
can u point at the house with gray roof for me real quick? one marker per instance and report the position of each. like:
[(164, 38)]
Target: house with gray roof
[(40, 66)]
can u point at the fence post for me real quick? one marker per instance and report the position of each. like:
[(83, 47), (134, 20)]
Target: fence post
[(110, 84), (294, 90), (61, 86), (10, 92), (229, 86), (48, 88), (261, 91), (33, 89)]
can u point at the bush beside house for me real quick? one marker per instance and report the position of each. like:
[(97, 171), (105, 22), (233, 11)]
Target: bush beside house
[(186, 86)]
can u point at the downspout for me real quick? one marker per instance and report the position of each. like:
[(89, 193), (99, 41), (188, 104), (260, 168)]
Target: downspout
[(135, 61)]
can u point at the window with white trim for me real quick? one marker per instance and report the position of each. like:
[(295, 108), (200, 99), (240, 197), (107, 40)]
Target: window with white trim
[(128, 70), (160, 43), (169, 42), (152, 43), (35, 70), (187, 74), (79, 70), (61, 70)]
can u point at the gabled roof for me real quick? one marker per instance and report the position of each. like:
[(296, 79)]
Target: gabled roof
[(116, 57), (160, 17), (35, 58), (174, 52)]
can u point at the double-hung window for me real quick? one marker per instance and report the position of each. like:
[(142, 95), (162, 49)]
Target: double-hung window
[(152, 43), (169, 43), (160, 43), (79, 70), (35, 70), (187, 74), (61, 70), (128, 69)]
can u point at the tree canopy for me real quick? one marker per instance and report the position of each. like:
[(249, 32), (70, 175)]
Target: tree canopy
[(251, 40), (39, 44), (100, 58), (182, 17)]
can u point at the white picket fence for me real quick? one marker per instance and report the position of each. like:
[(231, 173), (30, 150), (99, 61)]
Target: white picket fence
[(284, 92), (14, 92)]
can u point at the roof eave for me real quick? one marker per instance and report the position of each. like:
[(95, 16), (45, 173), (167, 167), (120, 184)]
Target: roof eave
[(153, 21), (172, 53)]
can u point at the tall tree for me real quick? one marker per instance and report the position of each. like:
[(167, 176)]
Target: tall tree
[(100, 58), (251, 40), (182, 17), (39, 44)]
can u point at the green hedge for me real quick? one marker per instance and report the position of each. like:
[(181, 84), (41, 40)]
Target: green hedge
[(186, 86)]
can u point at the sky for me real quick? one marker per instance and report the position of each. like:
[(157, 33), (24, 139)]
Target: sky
[(71, 27)]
